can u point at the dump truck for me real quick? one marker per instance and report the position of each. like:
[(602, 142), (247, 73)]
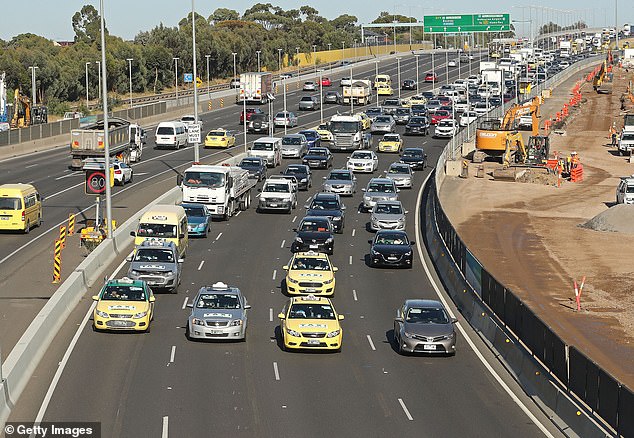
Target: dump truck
[(360, 92), (225, 190), (88, 142), (255, 87)]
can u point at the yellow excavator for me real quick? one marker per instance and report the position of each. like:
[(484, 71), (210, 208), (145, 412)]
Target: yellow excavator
[(500, 138), (21, 110), (602, 81)]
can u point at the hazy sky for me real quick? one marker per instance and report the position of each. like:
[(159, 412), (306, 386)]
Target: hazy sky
[(125, 18)]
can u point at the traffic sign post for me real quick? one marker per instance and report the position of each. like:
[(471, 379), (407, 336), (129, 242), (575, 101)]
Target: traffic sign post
[(467, 23), (193, 133), (95, 182), (188, 77)]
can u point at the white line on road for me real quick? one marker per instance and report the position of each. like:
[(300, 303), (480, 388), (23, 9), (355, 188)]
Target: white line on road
[(30, 165), (354, 230), (238, 213), (283, 243), (402, 403), (185, 302), (201, 265), (350, 259), (370, 342), (354, 294), (276, 371), (294, 219), (164, 434), (270, 314), (173, 353), (274, 273), (65, 176), (218, 236)]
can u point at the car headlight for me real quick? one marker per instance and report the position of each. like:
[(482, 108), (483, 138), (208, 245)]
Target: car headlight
[(235, 322), (133, 272), (263, 199), (329, 281), (196, 321), (291, 280), (201, 226), (170, 274), (408, 253), (330, 240), (293, 332), (304, 180), (299, 240), (102, 314), (450, 335), (408, 335), (333, 333), (140, 315), (374, 252)]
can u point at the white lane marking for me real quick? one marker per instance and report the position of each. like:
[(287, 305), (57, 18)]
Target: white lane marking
[(185, 303), (402, 403), (354, 294), (354, 230), (164, 434), (350, 260), (68, 352), (270, 314), (294, 219), (173, 353), (486, 364), (141, 173), (371, 342), (30, 165), (218, 236), (274, 273), (65, 176), (63, 191), (238, 213), (276, 371), (283, 243), (201, 265)]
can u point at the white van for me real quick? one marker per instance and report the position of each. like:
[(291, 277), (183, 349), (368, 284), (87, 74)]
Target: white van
[(171, 135), (269, 149)]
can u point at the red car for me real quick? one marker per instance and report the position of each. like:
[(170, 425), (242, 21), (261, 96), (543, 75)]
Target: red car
[(431, 77), (250, 112), (440, 115), (326, 82)]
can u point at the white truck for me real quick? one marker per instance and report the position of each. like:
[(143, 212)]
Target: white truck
[(565, 48), (360, 92), (255, 87), (225, 190), (138, 138), (348, 134), (277, 194)]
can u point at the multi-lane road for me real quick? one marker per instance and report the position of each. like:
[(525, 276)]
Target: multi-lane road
[(160, 384)]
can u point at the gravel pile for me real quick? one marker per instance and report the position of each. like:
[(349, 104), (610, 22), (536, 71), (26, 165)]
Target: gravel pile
[(618, 219)]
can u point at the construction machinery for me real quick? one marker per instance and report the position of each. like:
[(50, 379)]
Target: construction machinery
[(501, 138), (602, 81), (4, 117), (25, 114)]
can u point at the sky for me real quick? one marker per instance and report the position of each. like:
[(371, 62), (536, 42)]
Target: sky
[(126, 18)]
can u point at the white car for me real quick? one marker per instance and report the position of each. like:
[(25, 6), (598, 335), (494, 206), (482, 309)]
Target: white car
[(309, 86), (481, 108), (122, 173), (467, 118), (446, 128), (474, 79), (346, 82), (452, 63), (363, 161), (460, 84)]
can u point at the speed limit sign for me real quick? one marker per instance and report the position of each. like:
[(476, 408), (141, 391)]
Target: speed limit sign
[(95, 182)]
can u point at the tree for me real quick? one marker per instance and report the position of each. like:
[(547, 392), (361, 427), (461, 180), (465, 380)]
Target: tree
[(223, 14), (87, 24)]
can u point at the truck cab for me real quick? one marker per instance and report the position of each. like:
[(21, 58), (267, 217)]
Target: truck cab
[(625, 190)]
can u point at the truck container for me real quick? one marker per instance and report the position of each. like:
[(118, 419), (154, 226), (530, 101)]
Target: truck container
[(88, 142), (360, 92), (224, 189), (255, 87)]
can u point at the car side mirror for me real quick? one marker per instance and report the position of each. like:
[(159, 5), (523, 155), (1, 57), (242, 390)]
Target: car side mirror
[(247, 306), (132, 233), (95, 297), (295, 230), (152, 299), (259, 190), (370, 241), (412, 242), (335, 269), (398, 319), (454, 320), (363, 189), (341, 317), (128, 258), (190, 305), (343, 207), (281, 316), (285, 267), (179, 179), (324, 177), (406, 211)]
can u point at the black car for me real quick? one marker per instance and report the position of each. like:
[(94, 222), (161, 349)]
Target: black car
[(333, 97), (302, 173), (417, 125), (318, 158), (402, 115), (428, 94), (391, 248), (408, 84), (258, 123), (415, 157), (328, 205), (315, 233), (256, 167), (419, 110)]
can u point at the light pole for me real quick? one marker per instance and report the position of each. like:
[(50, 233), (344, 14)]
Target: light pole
[(329, 46), (343, 50), (87, 83), (130, 70), (351, 98), (33, 94), (394, 36), (417, 76), (285, 113), (196, 143), (376, 68), (244, 116), (279, 60), (385, 35), (315, 58), (398, 75), (355, 50), (258, 53), (106, 141), (99, 78), (234, 65), (433, 70), (176, 77), (447, 65), (321, 99), (207, 58)]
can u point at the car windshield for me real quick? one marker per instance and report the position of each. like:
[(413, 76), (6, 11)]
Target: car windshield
[(259, 146), (373, 111), (291, 141), (295, 170), (399, 169), (627, 137), (446, 123), (629, 189), (10, 204), (247, 162), (318, 152), (204, 179), (418, 108), (361, 155), (381, 188), (195, 211), (282, 115), (340, 126), (402, 111), (156, 230), (411, 153), (218, 301), (382, 119), (317, 226), (391, 138), (311, 311), (331, 94), (310, 263), (324, 204), (442, 113), (417, 120), (311, 135), (388, 209), (340, 176), (427, 315), (391, 239), (154, 255), (306, 99), (216, 134), (123, 293), (276, 188)]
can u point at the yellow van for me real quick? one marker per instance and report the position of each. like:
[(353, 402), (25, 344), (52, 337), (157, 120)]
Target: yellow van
[(20, 207), (167, 223), (382, 80)]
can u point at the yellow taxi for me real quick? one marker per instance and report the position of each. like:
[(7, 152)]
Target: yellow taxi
[(310, 273), (324, 133), (310, 323), (419, 99), (391, 143), (406, 102), (365, 120), (220, 138), (124, 304), (384, 90)]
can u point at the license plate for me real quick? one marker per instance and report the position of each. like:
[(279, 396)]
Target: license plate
[(313, 246), (391, 258), (119, 323), (310, 289), (429, 347), (219, 332), (5, 218), (313, 342), (273, 205)]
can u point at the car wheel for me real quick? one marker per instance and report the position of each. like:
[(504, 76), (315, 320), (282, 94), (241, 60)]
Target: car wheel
[(94, 328), (39, 220), (131, 177), (148, 329), (27, 227)]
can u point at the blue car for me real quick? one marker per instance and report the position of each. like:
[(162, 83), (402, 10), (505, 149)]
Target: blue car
[(314, 140), (198, 219)]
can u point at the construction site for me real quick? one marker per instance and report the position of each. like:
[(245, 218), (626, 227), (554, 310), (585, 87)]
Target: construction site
[(538, 208)]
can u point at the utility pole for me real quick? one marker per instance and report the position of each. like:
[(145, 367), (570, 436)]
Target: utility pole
[(99, 79), (196, 143), (106, 141), (258, 53), (130, 70), (176, 77), (33, 91), (208, 91), (279, 60), (87, 83)]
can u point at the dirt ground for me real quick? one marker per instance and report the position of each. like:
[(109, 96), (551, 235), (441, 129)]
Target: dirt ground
[(528, 234)]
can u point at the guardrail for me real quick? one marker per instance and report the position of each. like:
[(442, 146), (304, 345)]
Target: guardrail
[(559, 377)]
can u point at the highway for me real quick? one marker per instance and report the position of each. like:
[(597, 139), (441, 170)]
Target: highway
[(160, 384)]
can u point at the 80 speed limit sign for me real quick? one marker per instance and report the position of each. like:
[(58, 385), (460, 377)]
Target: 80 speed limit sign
[(95, 182)]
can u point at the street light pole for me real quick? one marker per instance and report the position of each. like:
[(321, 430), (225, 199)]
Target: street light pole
[(106, 140), (234, 65), (433, 70), (376, 68), (176, 77), (99, 79), (398, 69), (321, 99), (286, 118), (315, 58), (297, 51), (447, 65), (196, 143), (130, 70), (87, 83), (207, 58), (343, 50), (33, 94), (417, 76), (279, 60), (258, 53)]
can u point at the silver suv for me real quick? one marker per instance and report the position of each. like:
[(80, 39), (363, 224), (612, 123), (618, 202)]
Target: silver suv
[(158, 264)]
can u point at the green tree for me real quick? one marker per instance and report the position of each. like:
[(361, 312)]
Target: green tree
[(87, 24), (223, 14)]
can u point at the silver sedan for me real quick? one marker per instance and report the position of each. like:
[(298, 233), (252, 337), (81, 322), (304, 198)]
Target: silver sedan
[(383, 124), (401, 173), (424, 326), (218, 312), (388, 215), (341, 181)]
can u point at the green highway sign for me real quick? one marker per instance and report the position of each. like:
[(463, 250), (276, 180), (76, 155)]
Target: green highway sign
[(467, 23)]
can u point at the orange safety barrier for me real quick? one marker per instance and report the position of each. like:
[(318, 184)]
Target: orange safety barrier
[(564, 110), (558, 117), (576, 174), (551, 163), (547, 124)]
